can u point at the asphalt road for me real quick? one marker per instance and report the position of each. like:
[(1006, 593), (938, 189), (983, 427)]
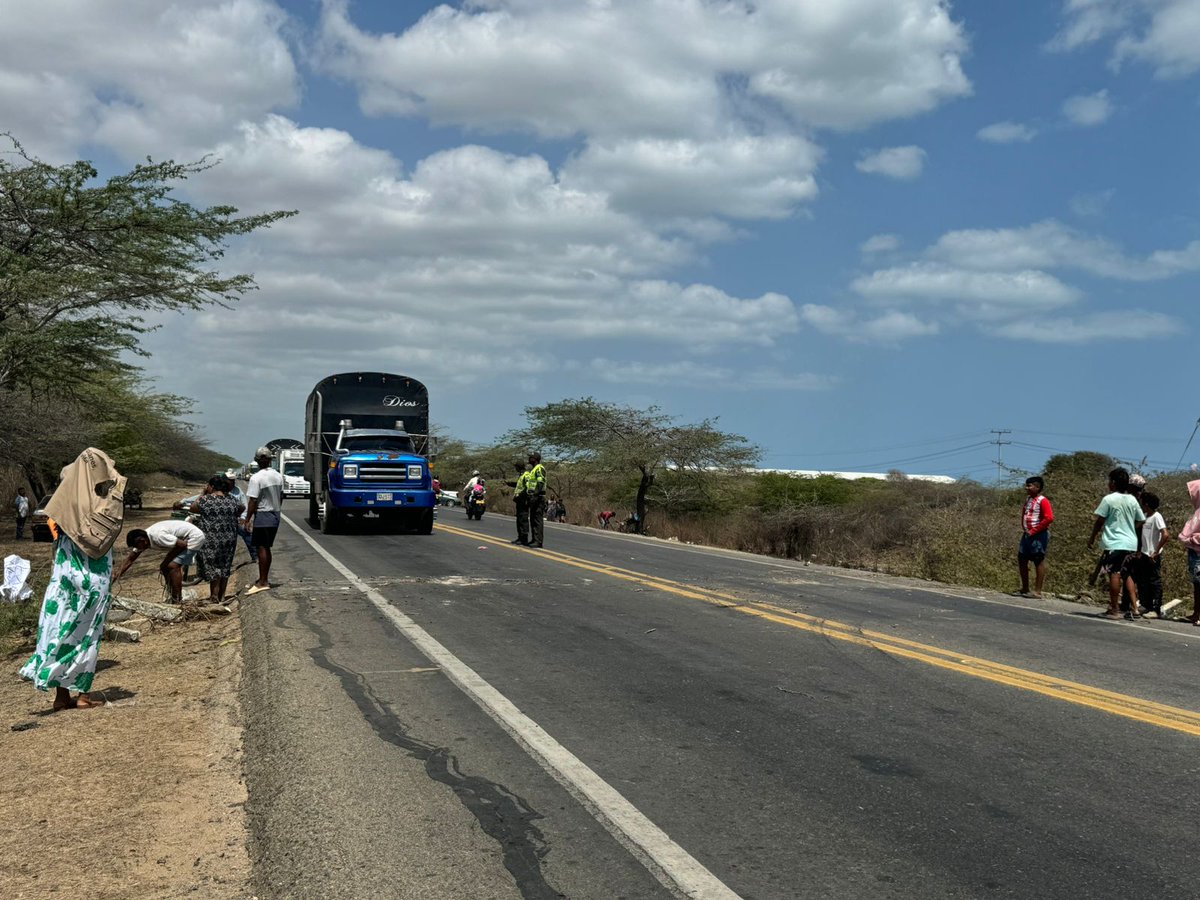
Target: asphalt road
[(795, 731)]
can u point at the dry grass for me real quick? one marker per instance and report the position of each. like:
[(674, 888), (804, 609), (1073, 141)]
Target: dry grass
[(964, 534)]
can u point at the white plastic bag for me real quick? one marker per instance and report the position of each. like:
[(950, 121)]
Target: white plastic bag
[(16, 574)]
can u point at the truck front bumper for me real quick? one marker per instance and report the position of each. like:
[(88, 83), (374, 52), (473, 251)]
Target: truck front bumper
[(380, 497)]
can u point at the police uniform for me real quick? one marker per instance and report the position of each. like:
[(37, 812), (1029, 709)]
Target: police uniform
[(521, 502), (535, 481)]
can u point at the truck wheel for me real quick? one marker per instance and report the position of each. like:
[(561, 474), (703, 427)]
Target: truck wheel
[(329, 521), (425, 522)]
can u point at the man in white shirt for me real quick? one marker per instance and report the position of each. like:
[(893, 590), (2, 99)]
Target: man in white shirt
[(180, 539), (265, 503)]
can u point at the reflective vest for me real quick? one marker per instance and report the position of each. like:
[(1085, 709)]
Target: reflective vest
[(536, 480), (522, 489)]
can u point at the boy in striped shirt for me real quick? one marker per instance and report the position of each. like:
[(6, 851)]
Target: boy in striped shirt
[(1035, 537)]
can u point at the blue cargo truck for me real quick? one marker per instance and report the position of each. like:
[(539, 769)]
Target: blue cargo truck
[(367, 450)]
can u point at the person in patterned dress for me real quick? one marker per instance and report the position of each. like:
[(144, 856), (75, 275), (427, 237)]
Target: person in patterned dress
[(75, 605), (219, 513)]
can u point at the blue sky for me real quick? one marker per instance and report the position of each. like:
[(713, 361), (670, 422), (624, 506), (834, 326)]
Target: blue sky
[(861, 233)]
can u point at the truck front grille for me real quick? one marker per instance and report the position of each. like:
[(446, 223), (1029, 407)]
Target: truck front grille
[(392, 473)]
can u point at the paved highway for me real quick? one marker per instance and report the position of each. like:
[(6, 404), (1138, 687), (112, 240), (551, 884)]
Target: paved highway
[(453, 716)]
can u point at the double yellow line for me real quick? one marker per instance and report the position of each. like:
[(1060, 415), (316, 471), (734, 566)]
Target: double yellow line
[(1147, 711)]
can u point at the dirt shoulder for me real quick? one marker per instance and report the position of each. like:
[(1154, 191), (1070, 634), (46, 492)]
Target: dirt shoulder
[(143, 797)]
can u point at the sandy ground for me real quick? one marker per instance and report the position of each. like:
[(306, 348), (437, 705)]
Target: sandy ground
[(143, 797)]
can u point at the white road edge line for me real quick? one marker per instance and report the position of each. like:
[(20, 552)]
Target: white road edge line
[(677, 869)]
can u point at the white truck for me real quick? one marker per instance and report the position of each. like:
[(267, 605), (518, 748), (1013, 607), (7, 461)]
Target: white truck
[(291, 467)]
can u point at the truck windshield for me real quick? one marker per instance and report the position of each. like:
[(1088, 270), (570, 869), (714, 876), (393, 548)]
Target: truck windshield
[(295, 469), (380, 444)]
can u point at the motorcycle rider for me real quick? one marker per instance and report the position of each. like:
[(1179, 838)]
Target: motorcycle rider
[(476, 496), (466, 491)]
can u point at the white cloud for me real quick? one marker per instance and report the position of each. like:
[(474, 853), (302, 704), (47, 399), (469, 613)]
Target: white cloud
[(1129, 325), (1164, 34), (1006, 133), (705, 376), (1002, 281), (746, 177), (903, 163), (880, 243), (1088, 110), (1088, 21), (663, 68), (1052, 245), (492, 245), (989, 291), (143, 76), (889, 328), (1092, 205)]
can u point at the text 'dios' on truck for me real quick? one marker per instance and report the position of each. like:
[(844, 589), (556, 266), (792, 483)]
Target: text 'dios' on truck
[(367, 450)]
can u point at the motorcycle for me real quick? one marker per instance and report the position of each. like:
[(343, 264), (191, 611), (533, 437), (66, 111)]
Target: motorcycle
[(476, 503)]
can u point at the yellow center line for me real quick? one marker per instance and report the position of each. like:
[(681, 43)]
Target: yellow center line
[(1147, 711)]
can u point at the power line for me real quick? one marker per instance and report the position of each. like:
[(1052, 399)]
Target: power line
[(1100, 437), (1179, 464), (927, 456), (927, 443)]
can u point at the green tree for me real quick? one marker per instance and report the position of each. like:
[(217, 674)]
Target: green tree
[(1082, 464), (83, 264), (142, 430), (623, 441)]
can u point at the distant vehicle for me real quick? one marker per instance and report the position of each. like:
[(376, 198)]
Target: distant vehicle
[(476, 502), (291, 466), (449, 498), (39, 522), (367, 450)]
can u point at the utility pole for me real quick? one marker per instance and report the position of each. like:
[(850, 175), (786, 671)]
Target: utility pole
[(1000, 442)]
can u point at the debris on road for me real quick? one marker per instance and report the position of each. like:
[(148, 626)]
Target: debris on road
[(121, 633)]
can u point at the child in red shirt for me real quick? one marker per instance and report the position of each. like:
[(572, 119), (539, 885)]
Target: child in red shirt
[(1035, 536)]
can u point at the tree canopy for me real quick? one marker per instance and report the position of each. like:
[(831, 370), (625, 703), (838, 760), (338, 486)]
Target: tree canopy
[(625, 440), (83, 264)]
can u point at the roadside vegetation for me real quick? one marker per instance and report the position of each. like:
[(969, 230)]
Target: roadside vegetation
[(963, 534), (86, 267)]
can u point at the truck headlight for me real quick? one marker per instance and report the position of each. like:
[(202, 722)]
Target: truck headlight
[(350, 471), (414, 473)]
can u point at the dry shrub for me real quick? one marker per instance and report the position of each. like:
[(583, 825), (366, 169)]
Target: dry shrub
[(963, 533)]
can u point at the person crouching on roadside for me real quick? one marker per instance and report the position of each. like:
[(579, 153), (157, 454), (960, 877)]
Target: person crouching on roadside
[(1035, 537), (180, 539)]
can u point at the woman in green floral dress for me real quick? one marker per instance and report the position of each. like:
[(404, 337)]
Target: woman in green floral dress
[(87, 513), (71, 625)]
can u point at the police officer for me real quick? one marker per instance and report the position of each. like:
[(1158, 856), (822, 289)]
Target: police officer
[(521, 502), (535, 482)]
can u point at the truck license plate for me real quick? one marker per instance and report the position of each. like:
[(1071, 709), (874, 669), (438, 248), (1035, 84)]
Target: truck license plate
[(383, 496)]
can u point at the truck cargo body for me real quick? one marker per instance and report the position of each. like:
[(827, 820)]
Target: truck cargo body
[(365, 454), (291, 467)]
